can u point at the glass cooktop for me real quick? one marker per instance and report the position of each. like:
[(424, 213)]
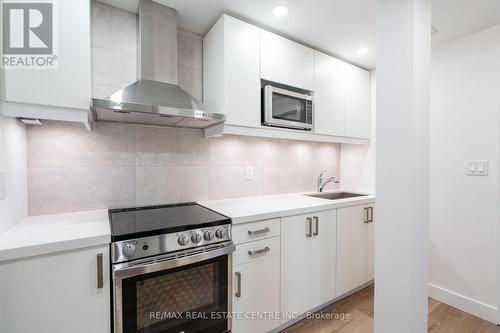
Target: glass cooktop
[(130, 223)]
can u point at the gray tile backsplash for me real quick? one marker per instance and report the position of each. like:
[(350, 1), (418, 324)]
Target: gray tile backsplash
[(171, 147), (114, 28), (113, 68), (71, 169), (68, 189)]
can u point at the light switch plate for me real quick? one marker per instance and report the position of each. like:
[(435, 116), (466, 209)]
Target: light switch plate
[(478, 168), (3, 184), (472, 168), (482, 168)]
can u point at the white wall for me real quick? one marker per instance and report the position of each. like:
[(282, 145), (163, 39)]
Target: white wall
[(13, 159), (465, 107), (357, 162)]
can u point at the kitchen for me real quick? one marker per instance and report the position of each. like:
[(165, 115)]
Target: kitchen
[(158, 170)]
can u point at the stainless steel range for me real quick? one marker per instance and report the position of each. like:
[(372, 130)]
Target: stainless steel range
[(171, 269)]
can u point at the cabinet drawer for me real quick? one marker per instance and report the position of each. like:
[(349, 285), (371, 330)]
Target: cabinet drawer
[(256, 250), (248, 232)]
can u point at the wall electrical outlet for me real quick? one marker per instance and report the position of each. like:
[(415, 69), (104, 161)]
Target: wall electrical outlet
[(478, 168), (3, 184), (250, 175)]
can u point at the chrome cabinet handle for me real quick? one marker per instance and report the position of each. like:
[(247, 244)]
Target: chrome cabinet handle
[(100, 268), (366, 215), (309, 220), (254, 252), (258, 232), (370, 210), (316, 224), (238, 284)]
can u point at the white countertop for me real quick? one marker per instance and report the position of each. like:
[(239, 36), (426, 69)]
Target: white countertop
[(37, 235), (248, 209)]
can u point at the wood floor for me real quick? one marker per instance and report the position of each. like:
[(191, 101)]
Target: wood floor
[(442, 318)]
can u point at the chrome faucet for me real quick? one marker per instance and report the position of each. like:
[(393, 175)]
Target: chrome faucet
[(322, 183)]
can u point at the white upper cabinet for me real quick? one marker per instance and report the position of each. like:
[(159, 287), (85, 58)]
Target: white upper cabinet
[(237, 55), (329, 95), (69, 84), (341, 98), (357, 104), (285, 61), (231, 69)]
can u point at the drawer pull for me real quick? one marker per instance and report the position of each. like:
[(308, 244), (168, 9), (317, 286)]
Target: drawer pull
[(310, 232), (264, 250), (100, 268), (238, 284), (316, 222), (258, 232)]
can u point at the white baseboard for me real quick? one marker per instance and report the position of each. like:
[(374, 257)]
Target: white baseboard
[(464, 303)]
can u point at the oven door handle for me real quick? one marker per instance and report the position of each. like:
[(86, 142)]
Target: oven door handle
[(126, 270)]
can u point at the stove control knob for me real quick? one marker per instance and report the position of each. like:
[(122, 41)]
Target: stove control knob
[(183, 240), (196, 238), (128, 250), (220, 233), (209, 235)]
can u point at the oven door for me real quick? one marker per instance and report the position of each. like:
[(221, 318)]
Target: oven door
[(188, 294), (285, 108)]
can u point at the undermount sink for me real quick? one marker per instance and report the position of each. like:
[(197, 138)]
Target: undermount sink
[(336, 195)]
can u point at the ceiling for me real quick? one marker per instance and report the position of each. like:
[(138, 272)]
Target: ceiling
[(337, 27)]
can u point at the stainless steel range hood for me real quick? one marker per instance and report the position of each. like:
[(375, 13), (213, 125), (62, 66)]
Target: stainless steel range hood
[(155, 99)]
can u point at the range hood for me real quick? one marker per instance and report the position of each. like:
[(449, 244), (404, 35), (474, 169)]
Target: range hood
[(155, 99)]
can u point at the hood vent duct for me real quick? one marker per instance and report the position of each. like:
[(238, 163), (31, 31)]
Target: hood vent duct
[(155, 99)]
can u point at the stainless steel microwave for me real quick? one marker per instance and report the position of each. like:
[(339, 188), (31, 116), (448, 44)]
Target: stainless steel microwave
[(287, 108)]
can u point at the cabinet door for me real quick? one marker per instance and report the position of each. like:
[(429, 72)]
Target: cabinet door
[(259, 292), (295, 265), (351, 248), (285, 61), (370, 245), (57, 292), (323, 257), (231, 71), (242, 83), (357, 111), (329, 95), (68, 85)]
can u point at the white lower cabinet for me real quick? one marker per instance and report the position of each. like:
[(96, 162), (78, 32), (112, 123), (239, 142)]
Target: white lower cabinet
[(257, 284), (323, 258), (57, 293), (354, 247), (307, 262), (370, 247), (256, 278)]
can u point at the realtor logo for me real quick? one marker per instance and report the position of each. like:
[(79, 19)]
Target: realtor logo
[(28, 34)]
